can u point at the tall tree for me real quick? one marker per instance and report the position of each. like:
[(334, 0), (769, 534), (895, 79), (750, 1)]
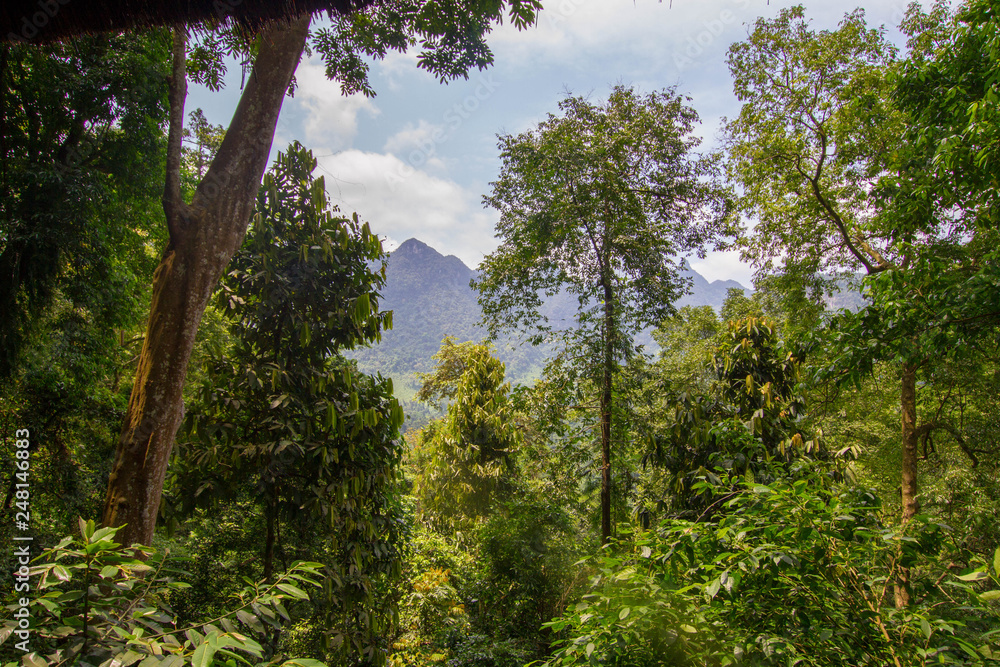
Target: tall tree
[(822, 151), (600, 201), (203, 235), (205, 232), (282, 417)]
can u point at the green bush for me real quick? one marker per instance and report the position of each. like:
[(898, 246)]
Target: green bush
[(790, 574), (98, 603)]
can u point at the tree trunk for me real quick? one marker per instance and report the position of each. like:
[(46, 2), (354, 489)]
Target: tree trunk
[(271, 517), (908, 408), (204, 235), (908, 485), (609, 341)]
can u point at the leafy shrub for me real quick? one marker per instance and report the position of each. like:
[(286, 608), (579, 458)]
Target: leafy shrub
[(101, 604), (479, 650), (525, 557), (791, 574)]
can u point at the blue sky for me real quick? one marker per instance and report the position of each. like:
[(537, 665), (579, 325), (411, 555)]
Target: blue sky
[(415, 160)]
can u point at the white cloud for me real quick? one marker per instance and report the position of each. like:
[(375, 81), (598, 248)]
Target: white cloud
[(724, 266), (679, 37), (332, 118), (422, 137), (401, 202), (570, 31)]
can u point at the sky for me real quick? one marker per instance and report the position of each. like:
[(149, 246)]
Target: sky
[(416, 160)]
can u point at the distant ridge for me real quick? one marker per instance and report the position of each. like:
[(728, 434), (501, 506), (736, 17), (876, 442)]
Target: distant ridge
[(430, 297), (704, 293)]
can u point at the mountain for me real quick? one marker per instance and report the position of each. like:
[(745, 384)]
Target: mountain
[(430, 297), (704, 293)]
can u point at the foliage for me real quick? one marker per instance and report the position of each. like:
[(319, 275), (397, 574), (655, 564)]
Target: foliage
[(949, 88), (941, 185), (793, 573), (464, 459), (605, 189), (80, 174), (748, 426), (451, 40), (685, 355), (102, 604), (282, 418), (70, 389), (451, 37), (525, 551), (79, 200)]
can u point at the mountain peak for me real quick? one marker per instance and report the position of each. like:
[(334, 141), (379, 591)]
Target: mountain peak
[(413, 247), (414, 262)]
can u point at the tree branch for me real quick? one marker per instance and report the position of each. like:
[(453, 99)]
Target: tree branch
[(834, 216), (926, 429), (173, 204)]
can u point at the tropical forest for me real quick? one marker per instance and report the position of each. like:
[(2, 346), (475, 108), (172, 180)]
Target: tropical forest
[(241, 424)]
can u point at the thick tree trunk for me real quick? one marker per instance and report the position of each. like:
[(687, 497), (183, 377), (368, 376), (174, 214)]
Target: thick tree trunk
[(203, 238), (609, 341), (908, 485)]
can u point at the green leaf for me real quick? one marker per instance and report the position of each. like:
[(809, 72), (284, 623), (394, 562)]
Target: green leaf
[(203, 655), (996, 562), (978, 575), (103, 533), (623, 614), (250, 619), (990, 596), (294, 591), (925, 627)]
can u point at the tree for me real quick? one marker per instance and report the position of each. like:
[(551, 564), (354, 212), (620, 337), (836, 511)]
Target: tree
[(600, 201), (816, 133), (283, 419), (206, 139), (204, 234), (686, 344), (465, 458), (746, 428), (824, 157), (81, 152)]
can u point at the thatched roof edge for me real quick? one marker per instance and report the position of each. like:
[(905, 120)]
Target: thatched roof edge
[(39, 21)]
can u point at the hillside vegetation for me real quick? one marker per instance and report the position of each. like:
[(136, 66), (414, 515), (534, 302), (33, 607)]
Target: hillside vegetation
[(239, 432)]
